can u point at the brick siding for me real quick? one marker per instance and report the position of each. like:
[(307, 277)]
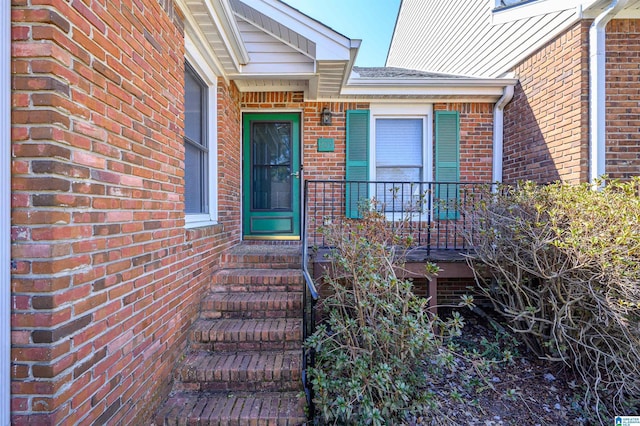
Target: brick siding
[(105, 279), (623, 96), (317, 165), (546, 123), (476, 133)]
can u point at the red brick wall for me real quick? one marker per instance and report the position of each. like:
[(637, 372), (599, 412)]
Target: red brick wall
[(476, 133), (476, 140), (317, 165), (546, 123), (229, 160), (105, 278), (623, 95)]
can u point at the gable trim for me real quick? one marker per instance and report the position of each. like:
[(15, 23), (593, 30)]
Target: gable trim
[(330, 45), (275, 29)]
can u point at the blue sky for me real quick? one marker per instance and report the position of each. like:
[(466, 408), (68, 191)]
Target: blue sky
[(372, 21)]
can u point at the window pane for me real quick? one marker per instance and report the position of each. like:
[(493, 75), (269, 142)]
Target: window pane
[(401, 196), (193, 107), (195, 144), (399, 174), (271, 165), (399, 142), (195, 172)]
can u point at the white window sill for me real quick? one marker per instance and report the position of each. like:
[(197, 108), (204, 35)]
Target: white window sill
[(199, 221)]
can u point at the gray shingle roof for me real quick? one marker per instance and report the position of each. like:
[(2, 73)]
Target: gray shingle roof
[(399, 73)]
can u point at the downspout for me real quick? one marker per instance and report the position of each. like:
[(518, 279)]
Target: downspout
[(5, 213), (498, 132), (597, 92)]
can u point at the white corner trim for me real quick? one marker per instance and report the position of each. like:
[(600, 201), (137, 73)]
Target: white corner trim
[(5, 213), (498, 133), (597, 90)]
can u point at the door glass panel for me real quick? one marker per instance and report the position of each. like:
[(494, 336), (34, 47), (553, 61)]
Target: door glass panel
[(271, 165)]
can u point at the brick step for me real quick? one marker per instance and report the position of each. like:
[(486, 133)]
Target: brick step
[(248, 280), (274, 371), (252, 305), (246, 334), (217, 409), (262, 256)]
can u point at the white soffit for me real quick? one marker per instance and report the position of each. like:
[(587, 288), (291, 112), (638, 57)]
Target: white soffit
[(582, 8), (630, 11), (211, 26), (535, 8)]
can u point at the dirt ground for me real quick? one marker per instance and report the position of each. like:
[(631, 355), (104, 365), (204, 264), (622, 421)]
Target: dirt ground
[(526, 391)]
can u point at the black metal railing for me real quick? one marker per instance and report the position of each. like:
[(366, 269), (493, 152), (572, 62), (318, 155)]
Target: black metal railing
[(436, 215), (309, 297)]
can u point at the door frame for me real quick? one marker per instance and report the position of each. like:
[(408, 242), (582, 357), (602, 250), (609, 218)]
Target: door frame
[(295, 116)]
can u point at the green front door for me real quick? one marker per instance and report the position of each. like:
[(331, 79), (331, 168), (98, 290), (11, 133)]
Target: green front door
[(271, 176)]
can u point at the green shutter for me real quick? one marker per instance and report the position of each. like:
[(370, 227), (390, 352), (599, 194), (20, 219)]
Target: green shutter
[(357, 162), (447, 159)]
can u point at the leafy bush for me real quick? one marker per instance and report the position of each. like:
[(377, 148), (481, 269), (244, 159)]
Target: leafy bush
[(565, 271), (376, 333)]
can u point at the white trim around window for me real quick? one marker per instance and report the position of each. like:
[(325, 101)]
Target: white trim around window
[(423, 112), (403, 111), (197, 61)]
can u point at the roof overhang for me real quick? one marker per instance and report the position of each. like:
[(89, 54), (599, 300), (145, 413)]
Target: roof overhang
[(428, 89), (324, 56), (212, 28), (581, 8)]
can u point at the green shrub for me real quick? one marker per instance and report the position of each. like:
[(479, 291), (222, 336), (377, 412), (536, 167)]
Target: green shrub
[(375, 335), (565, 271)]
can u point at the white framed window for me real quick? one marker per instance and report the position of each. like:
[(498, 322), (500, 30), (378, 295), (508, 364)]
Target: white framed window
[(200, 140), (401, 156)]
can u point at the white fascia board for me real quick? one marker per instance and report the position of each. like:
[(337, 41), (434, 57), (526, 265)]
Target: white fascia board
[(540, 7), (435, 87), (230, 32), (272, 76), (355, 48), (413, 99), (330, 45)]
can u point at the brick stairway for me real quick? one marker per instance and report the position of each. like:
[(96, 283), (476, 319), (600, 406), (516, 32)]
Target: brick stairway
[(243, 366)]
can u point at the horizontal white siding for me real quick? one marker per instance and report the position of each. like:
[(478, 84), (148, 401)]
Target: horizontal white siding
[(457, 37), (270, 55)]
